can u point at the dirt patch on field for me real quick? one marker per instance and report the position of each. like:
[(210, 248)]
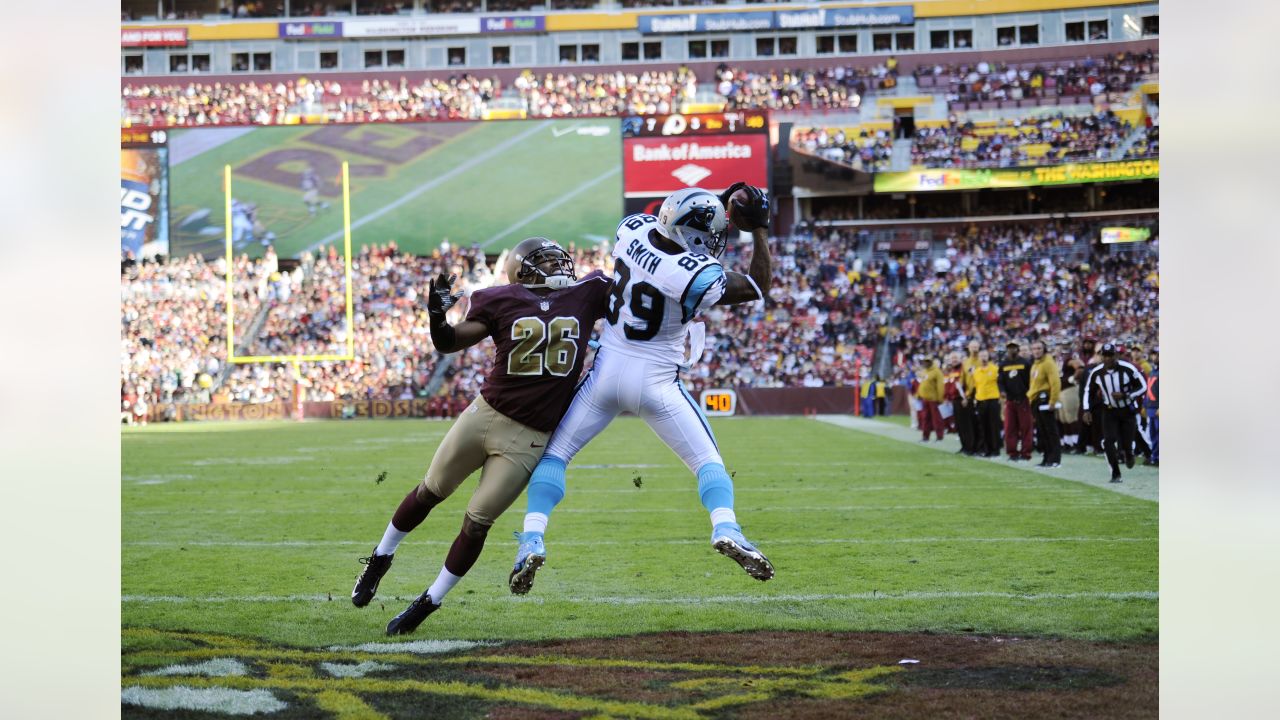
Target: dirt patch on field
[(681, 676)]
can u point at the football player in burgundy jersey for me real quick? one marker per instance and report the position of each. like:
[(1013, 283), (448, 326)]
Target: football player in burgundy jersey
[(540, 324)]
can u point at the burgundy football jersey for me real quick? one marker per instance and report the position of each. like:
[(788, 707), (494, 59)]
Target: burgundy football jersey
[(541, 342)]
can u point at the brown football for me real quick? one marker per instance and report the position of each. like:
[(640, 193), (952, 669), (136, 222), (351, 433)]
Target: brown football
[(741, 197)]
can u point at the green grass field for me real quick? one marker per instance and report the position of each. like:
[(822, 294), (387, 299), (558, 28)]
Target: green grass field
[(488, 183), (251, 532)]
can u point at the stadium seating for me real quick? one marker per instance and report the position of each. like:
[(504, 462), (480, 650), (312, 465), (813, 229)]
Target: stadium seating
[(587, 92), (1035, 140)]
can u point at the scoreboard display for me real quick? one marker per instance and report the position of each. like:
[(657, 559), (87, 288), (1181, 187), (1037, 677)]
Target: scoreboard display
[(728, 123), (144, 193), (665, 153), (143, 137)]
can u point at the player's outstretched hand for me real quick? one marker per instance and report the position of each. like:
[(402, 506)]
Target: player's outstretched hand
[(748, 207), (439, 296)]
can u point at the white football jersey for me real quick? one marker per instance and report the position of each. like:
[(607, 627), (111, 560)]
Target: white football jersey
[(656, 294)]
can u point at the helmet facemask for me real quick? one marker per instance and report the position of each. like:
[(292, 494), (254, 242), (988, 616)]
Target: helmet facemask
[(549, 267)]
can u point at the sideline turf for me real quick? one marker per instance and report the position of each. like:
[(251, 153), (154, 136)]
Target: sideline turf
[(890, 530)]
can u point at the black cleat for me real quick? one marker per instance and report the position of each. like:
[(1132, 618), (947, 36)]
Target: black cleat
[(1128, 460), (1115, 476), (375, 566), (409, 620)]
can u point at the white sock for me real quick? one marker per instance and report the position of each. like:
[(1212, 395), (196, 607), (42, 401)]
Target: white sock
[(390, 540), (723, 515), (443, 584), (534, 522)]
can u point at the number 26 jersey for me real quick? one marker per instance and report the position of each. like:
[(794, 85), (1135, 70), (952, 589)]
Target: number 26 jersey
[(656, 294)]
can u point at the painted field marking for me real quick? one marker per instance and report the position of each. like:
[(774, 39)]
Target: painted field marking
[(1061, 507), (906, 595), (552, 206), (669, 541), (430, 184)]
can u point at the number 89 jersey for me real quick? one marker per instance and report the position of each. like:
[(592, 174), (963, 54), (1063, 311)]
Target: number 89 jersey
[(656, 294)]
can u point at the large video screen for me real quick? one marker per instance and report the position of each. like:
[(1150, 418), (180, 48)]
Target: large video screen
[(489, 183), (666, 153)]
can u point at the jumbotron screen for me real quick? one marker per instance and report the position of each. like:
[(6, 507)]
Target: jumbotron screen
[(665, 153), (490, 183)]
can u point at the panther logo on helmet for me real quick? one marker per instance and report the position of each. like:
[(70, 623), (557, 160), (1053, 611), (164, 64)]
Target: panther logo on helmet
[(695, 220), (540, 262)]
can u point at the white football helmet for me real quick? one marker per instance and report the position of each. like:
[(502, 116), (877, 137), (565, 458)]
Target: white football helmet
[(695, 220)]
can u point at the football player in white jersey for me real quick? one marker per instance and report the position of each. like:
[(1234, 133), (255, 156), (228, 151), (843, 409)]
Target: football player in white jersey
[(666, 273)]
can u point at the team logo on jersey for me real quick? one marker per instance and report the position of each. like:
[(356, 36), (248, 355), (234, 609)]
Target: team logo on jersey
[(691, 174), (545, 305)]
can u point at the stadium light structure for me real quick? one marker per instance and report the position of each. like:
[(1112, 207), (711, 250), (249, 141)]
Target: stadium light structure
[(296, 360)]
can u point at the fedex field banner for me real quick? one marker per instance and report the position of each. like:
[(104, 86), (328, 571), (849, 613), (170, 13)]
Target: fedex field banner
[(144, 201), (661, 165), (929, 180), (1112, 235)]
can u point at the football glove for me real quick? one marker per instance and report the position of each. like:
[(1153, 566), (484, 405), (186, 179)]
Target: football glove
[(439, 298), (755, 212)]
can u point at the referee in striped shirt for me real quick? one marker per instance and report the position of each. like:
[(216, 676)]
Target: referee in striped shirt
[(1120, 386)]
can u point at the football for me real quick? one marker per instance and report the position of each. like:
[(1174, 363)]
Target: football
[(736, 200)]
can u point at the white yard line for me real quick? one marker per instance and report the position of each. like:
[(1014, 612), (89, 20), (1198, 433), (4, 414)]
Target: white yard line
[(1060, 507), (1140, 482), (577, 543), (552, 206), (905, 595), (428, 185)]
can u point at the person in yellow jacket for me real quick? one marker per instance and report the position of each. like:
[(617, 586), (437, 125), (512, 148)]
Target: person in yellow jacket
[(1043, 394), (984, 394), (965, 412), (930, 394)]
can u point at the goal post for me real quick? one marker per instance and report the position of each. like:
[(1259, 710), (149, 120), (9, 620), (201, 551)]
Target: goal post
[(346, 249)]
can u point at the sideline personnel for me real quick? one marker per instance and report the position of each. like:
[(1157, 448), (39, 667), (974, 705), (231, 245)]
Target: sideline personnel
[(1119, 385), (1014, 384)]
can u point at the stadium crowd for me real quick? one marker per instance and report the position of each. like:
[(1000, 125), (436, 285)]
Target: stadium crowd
[(829, 309), (1085, 78), (1001, 282), (1039, 140), (173, 318), (466, 96), (869, 151)]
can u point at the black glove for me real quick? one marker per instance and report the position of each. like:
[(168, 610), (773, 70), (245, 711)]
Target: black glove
[(439, 299), (755, 212)]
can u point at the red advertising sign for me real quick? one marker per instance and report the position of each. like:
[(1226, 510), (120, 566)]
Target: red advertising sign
[(153, 37), (662, 165)]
